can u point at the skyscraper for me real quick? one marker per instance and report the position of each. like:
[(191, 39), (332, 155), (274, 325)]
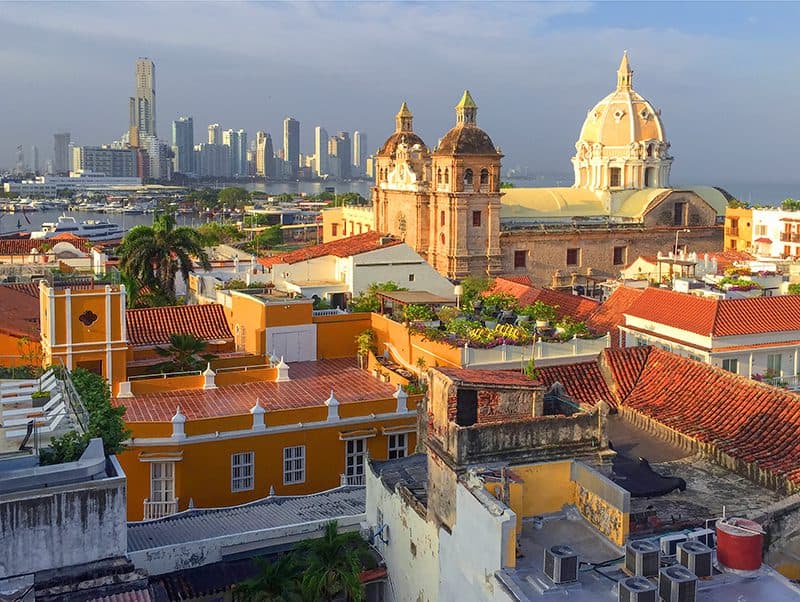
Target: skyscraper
[(321, 151), (142, 107), (345, 155), (241, 155), (291, 143), (61, 153), (214, 134), (183, 145), (359, 153), (265, 161), (35, 159)]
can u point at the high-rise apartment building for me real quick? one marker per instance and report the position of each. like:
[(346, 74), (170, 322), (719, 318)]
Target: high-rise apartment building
[(344, 155), (159, 157), (236, 141), (183, 145), (214, 134), (291, 143), (61, 153), (320, 151), (114, 162), (265, 160), (35, 159), (212, 160), (142, 106), (359, 153)]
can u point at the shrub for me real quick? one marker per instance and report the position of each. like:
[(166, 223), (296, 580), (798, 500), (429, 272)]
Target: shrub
[(413, 313)]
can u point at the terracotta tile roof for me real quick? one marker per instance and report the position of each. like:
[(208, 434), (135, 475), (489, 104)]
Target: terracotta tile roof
[(344, 247), (608, 317), (24, 246), (720, 318), (526, 280), (20, 313), (727, 258), (154, 325), (489, 378), (310, 386), (764, 239), (574, 306), (752, 422), (28, 288), (584, 383)]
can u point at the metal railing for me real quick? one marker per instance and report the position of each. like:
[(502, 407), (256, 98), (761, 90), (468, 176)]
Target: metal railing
[(790, 382), (154, 510), (790, 236), (328, 312), (354, 480), (732, 232)]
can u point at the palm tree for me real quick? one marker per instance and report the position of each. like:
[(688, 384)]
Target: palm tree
[(277, 581), (183, 351), (153, 255), (333, 565)]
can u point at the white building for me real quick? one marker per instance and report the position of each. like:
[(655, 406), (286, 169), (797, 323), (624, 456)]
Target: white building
[(48, 186), (321, 151)]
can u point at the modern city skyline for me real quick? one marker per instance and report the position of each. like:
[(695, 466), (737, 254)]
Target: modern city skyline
[(142, 106), (183, 144)]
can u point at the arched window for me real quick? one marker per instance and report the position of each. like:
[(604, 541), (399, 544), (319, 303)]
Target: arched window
[(438, 176), (649, 150), (441, 218), (484, 177), (467, 177), (446, 176)]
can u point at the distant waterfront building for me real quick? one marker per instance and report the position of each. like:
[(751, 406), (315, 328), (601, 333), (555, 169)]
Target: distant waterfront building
[(142, 106), (291, 143), (236, 141), (214, 134), (359, 153), (159, 157), (61, 152), (369, 167), (113, 162), (49, 186), (213, 160), (183, 145), (343, 152), (265, 155), (321, 151), (35, 159)]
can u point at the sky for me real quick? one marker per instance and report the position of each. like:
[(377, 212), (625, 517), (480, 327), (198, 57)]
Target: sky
[(725, 75)]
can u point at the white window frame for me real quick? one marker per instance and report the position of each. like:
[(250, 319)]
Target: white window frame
[(355, 457), (243, 476), (771, 360), (731, 362), (294, 464), (162, 482), (398, 445)]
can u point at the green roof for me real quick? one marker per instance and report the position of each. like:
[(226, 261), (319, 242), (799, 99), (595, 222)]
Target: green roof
[(466, 102)]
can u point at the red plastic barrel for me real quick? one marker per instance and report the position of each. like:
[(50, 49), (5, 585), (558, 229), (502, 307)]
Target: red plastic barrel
[(739, 544)]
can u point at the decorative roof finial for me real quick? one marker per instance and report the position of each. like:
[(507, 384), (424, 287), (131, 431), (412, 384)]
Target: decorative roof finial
[(466, 110), (624, 73)]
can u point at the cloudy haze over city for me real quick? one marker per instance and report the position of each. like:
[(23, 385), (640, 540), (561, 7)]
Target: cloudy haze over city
[(533, 69)]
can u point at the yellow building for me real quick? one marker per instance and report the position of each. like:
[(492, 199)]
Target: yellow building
[(739, 229)]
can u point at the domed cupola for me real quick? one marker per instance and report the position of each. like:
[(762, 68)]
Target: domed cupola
[(622, 144), (403, 133), (466, 138)]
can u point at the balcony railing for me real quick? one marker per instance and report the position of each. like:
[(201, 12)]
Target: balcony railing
[(790, 382), (732, 232), (354, 480), (790, 236), (153, 510)]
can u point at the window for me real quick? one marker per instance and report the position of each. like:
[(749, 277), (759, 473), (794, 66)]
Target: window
[(787, 250), (467, 177), (446, 176), (650, 177), (640, 342), (438, 176), (354, 457), (573, 256), (774, 364), (519, 259), (679, 214), (476, 219), (484, 177), (411, 277), (441, 218), (731, 365), (344, 228), (761, 229), (242, 471), (615, 174), (397, 446), (619, 255), (294, 464), (335, 229), (162, 482)]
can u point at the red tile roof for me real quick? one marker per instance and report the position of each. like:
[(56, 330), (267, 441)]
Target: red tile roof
[(727, 258), (344, 247), (310, 386), (718, 317), (497, 378), (749, 421), (24, 246), (584, 383), (154, 325), (20, 313), (566, 304), (608, 317)]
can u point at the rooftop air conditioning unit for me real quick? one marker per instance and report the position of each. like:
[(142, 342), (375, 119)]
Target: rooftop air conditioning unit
[(642, 558), (676, 583), (695, 556), (637, 589), (561, 564), (669, 543), (705, 536)]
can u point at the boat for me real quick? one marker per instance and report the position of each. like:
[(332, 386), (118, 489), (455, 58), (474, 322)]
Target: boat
[(94, 230)]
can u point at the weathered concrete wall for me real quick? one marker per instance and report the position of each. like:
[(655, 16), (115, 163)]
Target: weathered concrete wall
[(546, 251), (63, 525), (602, 502), (502, 404)]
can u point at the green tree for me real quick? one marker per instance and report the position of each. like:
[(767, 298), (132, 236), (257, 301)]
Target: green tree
[(266, 239), (349, 198), (154, 255), (473, 287), (207, 197), (333, 565), (277, 581), (214, 233), (233, 197), (506, 184), (368, 300), (284, 197), (184, 354), (737, 204), (794, 289), (790, 205)]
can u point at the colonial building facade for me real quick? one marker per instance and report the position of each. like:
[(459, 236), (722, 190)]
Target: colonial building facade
[(448, 205)]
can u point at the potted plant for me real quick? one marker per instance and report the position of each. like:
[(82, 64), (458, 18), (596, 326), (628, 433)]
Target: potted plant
[(543, 313), (39, 398), (420, 313), (365, 342)]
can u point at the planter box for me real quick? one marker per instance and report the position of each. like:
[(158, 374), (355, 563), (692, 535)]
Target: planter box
[(39, 399)]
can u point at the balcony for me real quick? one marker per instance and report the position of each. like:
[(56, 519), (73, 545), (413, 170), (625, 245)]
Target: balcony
[(354, 480), (732, 232), (790, 236), (790, 382), (154, 510)]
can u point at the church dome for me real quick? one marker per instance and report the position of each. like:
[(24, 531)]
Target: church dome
[(466, 138), (623, 117), (403, 134)]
